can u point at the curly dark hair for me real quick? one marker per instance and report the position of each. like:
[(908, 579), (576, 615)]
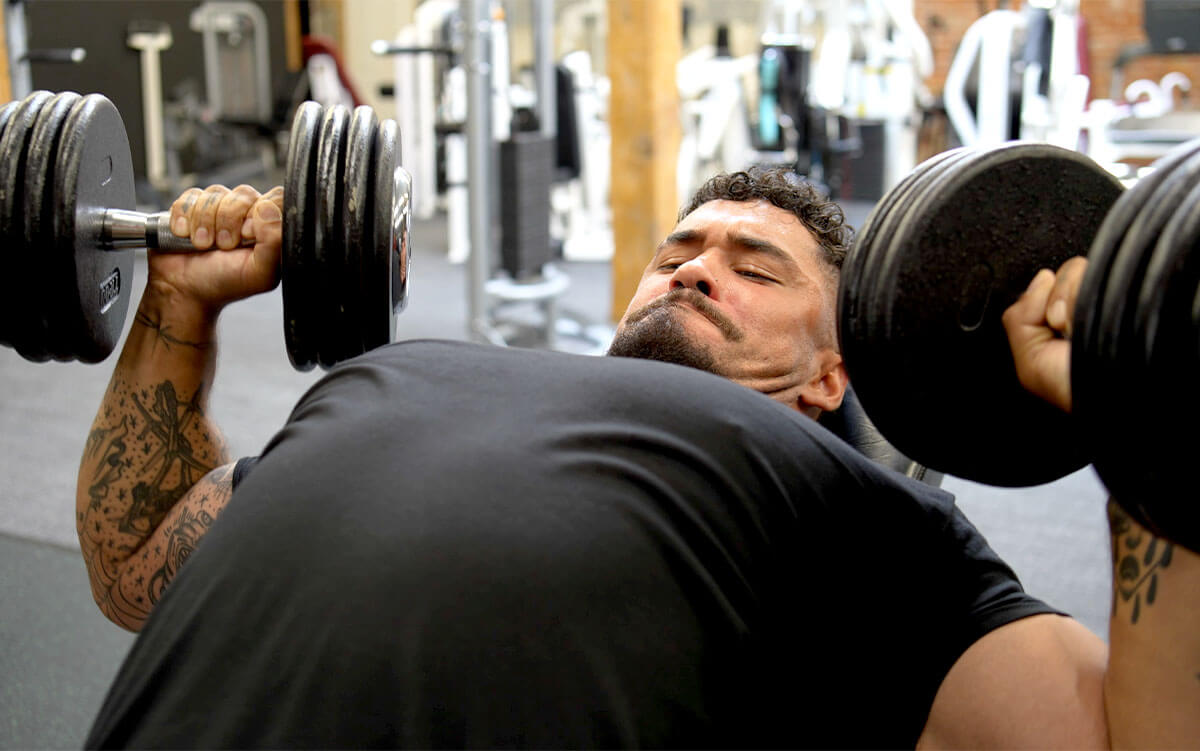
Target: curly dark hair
[(785, 189)]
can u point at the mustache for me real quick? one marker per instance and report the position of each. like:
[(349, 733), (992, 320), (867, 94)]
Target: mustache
[(699, 301)]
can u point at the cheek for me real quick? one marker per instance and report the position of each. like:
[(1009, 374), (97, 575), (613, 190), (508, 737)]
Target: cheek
[(789, 330), (648, 290)]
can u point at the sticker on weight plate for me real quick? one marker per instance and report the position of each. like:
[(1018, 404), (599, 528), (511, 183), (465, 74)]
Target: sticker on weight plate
[(110, 290)]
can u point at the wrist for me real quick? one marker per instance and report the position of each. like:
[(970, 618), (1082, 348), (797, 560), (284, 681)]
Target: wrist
[(179, 316)]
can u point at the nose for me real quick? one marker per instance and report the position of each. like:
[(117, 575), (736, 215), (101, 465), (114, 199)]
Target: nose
[(698, 275)]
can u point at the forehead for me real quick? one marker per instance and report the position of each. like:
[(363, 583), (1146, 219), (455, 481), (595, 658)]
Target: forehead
[(758, 219)]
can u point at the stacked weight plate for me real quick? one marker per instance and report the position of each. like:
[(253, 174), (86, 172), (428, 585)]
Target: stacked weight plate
[(65, 162), (951, 247), (63, 159), (345, 267), (1135, 357)]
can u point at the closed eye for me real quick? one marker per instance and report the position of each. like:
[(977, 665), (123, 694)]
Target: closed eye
[(755, 275)]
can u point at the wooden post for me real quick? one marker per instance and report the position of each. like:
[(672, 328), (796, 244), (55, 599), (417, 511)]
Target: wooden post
[(644, 45), (293, 40), (5, 73)]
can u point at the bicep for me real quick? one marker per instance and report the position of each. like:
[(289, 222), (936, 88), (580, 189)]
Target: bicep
[(1035, 682), (146, 574)]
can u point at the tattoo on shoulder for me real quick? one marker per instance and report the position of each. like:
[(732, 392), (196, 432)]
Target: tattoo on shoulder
[(1138, 558), (164, 333)]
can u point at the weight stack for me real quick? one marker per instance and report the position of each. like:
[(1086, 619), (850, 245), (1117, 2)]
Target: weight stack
[(527, 163)]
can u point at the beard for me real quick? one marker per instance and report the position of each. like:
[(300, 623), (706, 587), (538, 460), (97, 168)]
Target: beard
[(656, 333)]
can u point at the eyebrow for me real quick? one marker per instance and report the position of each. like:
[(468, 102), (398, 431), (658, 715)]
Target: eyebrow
[(753, 244)]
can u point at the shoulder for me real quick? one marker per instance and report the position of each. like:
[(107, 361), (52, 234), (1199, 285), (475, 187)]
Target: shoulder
[(1038, 681)]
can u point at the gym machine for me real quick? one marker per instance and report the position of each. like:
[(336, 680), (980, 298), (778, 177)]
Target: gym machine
[(516, 197)]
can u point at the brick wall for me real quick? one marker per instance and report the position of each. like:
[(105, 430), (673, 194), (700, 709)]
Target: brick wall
[(1110, 24)]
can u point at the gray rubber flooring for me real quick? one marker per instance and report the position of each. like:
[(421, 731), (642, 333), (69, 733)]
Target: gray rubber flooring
[(58, 653)]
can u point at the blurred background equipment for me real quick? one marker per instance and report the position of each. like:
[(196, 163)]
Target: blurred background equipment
[(496, 154), (205, 84)]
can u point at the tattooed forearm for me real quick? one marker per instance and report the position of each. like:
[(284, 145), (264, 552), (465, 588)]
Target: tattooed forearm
[(106, 448), (148, 448), (1138, 558), (163, 333), (165, 423)]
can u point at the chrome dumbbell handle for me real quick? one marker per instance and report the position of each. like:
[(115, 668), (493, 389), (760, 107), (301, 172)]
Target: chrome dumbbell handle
[(122, 229)]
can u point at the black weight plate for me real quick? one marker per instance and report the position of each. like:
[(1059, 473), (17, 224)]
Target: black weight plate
[(1088, 399), (952, 400), (357, 202), (327, 234), (1159, 491), (401, 204), (866, 243), (378, 320), (1119, 357), (877, 282), (926, 192), (14, 147), (1129, 264), (8, 255), (93, 172), (1163, 318), (1164, 300), (869, 348), (856, 288), (385, 280), (1150, 470), (298, 277), (38, 200), (6, 113)]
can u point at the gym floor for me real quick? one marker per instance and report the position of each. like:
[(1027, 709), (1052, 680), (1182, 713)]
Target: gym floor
[(58, 654)]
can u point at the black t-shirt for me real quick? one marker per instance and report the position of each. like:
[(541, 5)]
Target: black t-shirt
[(458, 545)]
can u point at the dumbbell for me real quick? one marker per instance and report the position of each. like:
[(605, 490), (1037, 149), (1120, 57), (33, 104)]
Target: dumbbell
[(955, 243), (69, 227)]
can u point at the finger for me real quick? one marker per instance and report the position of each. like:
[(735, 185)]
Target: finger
[(267, 219), (1060, 306), (275, 195), (1030, 307), (204, 216), (1042, 359), (232, 212), (181, 210)]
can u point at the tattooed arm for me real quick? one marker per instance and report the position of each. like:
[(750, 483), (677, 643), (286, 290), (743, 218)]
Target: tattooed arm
[(1151, 676), (154, 473), (1153, 682)]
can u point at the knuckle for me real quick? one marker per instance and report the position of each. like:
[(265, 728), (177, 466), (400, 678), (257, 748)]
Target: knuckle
[(185, 200)]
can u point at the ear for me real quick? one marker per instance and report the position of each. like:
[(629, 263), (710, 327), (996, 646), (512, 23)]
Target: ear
[(824, 392)]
